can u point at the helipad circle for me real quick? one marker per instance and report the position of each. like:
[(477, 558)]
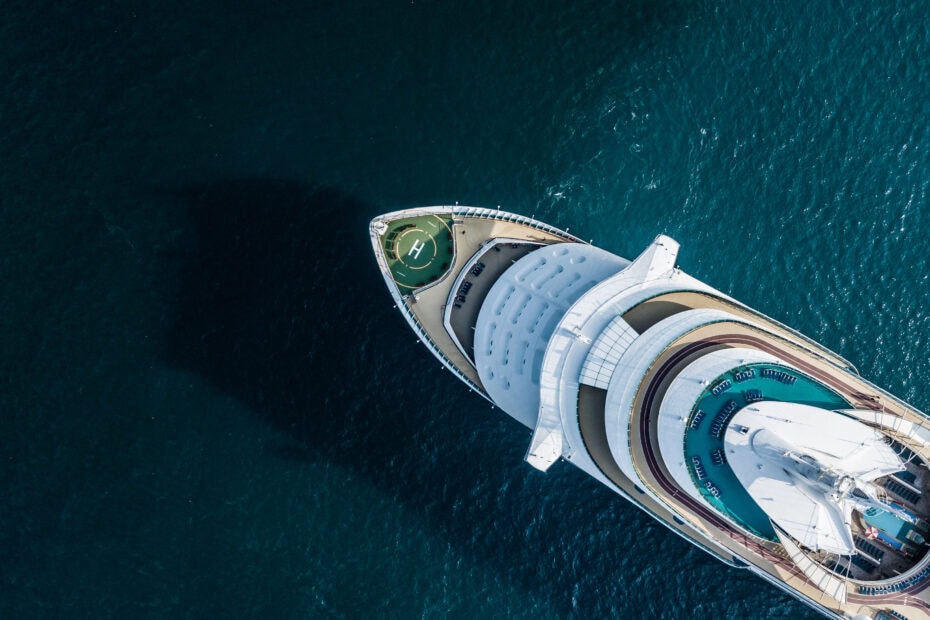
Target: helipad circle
[(415, 248)]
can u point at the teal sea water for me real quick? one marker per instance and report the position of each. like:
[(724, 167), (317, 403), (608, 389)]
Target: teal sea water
[(208, 407)]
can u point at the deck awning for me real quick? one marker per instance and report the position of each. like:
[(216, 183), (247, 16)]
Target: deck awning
[(808, 468)]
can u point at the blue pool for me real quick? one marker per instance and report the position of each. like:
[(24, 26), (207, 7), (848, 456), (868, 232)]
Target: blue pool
[(707, 423)]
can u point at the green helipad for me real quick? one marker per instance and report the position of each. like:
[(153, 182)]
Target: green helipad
[(419, 250)]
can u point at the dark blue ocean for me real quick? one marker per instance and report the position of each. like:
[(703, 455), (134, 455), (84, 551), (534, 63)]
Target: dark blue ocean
[(209, 408)]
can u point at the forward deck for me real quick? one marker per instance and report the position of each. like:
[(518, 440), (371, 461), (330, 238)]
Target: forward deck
[(422, 253)]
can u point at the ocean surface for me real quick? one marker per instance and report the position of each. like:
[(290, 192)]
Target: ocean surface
[(209, 408)]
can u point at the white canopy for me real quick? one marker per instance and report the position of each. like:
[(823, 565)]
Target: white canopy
[(808, 468)]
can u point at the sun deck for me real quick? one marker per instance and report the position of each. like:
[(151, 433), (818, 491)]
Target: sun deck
[(847, 386), (832, 384), (726, 394)]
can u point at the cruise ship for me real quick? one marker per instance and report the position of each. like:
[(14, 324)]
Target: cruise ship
[(753, 442)]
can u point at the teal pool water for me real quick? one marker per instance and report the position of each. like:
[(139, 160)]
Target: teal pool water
[(724, 396), (894, 530)]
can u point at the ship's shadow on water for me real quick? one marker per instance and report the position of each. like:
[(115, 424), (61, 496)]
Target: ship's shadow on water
[(281, 305)]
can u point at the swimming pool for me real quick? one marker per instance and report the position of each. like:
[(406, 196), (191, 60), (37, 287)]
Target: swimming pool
[(893, 530), (707, 422)]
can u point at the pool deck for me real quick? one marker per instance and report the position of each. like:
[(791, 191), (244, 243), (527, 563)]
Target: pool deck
[(728, 541), (766, 555), (744, 385)]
